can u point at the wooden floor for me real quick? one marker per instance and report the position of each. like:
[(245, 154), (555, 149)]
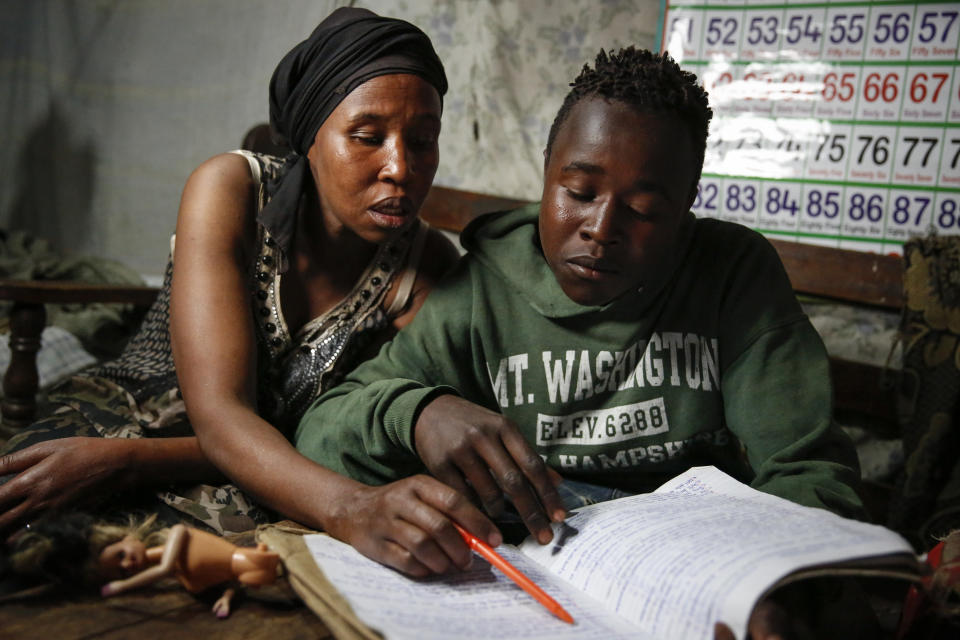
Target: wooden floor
[(160, 613)]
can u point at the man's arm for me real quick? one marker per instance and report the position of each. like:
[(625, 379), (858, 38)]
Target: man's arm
[(364, 427), (394, 416), (778, 398)]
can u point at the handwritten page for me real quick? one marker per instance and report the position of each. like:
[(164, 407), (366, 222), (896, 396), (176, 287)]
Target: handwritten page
[(478, 604), (701, 548)]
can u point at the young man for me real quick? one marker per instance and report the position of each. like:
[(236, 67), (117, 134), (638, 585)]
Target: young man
[(605, 334)]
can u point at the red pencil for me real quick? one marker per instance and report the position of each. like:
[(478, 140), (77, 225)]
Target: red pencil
[(514, 574)]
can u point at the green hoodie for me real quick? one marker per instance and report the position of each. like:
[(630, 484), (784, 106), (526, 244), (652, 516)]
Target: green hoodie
[(717, 364)]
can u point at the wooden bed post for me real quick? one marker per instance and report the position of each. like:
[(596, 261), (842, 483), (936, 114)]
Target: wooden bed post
[(20, 382), (27, 320)]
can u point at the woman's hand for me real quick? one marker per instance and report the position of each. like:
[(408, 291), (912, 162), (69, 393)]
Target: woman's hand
[(408, 525), (60, 473), (69, 472), (481, 453)]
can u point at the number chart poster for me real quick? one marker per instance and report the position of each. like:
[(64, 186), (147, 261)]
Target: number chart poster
[(835, 123)]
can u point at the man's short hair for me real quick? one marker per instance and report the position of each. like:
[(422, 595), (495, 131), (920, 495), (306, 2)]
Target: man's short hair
[(648, 82)]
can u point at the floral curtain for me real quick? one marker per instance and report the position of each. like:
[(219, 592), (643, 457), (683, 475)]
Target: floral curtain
[(926, 505)]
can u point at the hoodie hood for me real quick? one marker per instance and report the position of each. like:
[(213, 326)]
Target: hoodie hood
[(501, 243)]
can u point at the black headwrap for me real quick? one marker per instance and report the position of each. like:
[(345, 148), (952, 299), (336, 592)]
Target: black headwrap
[(348, 48)]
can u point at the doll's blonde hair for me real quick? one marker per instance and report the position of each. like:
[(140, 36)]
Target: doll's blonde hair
[(66, 549)]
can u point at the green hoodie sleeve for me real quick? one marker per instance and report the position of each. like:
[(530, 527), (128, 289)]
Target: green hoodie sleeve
[(778, 403), (363, 428), (778, 395)]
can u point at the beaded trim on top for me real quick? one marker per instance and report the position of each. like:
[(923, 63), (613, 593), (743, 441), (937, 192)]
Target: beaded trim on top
[(299, 367), (369, 292), (267, 286)]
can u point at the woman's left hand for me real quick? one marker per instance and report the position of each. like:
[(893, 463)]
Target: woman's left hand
[(60, 473)]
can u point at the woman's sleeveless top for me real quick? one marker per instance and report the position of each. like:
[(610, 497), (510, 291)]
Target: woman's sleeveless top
[(293, 368)]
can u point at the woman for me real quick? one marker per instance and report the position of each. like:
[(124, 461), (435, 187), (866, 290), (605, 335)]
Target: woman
[(284, 276)]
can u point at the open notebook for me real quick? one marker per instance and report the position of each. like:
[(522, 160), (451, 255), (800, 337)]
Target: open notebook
[(669, 564)]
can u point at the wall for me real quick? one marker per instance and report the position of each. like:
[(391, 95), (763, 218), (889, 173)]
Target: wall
[(107, 106), (834, 123)]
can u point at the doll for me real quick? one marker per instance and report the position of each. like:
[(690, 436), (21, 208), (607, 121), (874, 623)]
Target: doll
[(199, 560), (76, 549)]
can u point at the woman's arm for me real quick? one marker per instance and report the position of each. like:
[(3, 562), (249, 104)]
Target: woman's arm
[(215, 354), (214, 345), (68, 472)]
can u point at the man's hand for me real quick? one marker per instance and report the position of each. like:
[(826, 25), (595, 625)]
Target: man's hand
[(772, 619), (408, 525), (59, 474), (482, 454)]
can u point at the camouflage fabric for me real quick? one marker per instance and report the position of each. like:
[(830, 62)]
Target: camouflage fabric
[(225, 509), (94, 406), (926, 504)]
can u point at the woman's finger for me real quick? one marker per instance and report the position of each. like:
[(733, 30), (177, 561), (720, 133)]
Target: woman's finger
[(418, 531), (16, 517), (396, 556), (9, 495), (438, 506), (15, 462), (456, 507), (16, 491)]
